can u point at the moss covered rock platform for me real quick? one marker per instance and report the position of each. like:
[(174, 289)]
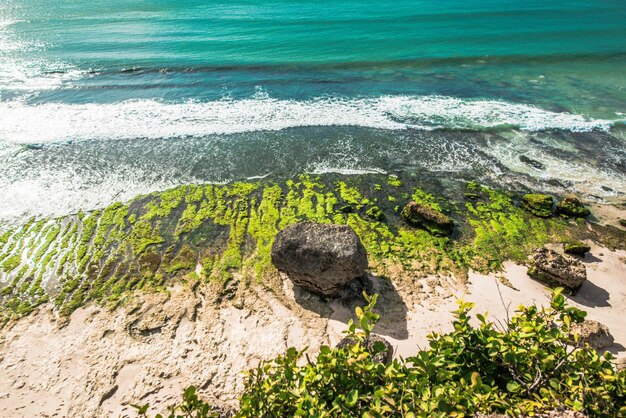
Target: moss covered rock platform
[(223, 234)]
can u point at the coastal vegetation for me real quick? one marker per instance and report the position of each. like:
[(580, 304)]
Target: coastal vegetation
[(536, 362), (216, 232)]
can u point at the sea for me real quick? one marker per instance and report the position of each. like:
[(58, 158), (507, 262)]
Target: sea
[(101, 101)]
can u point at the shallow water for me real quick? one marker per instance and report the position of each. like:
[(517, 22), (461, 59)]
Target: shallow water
[(102, 101)]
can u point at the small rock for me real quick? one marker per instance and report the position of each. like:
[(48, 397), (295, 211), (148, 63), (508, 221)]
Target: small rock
[(622, 222), (384, 355), (573, 207), (238, 303), (576, 248), (530, 162), (538, 204), (319, 257), (432, 220), (557, 270), (559, 183), (594, 333)]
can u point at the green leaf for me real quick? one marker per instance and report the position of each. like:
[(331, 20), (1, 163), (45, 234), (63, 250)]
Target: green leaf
[(513, 387), (475, 378), (352, 397)]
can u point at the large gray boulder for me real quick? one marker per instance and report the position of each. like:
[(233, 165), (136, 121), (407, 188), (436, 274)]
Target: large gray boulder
[(319, 257), (556, 270)]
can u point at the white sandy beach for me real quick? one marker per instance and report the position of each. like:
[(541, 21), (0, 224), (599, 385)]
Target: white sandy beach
[(101, 362)]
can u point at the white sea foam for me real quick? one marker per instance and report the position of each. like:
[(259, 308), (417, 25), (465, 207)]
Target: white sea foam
[(22, 123), (350, 170)]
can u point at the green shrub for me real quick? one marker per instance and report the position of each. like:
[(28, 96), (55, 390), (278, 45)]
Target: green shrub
[(528, 367), (191, 407)]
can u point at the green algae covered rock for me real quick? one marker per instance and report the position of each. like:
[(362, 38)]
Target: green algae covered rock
[(576, 248), (538, 204), (423, 216), (573, 207)]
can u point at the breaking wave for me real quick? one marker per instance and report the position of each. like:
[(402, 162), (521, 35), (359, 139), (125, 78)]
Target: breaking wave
[(50, 122)]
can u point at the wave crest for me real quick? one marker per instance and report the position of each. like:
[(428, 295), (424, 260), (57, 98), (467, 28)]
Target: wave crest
[(50, 122)]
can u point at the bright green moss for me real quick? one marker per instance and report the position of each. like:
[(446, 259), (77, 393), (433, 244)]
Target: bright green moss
[(263, 227), (4, 238), (166, 202), (88, 227), (375, 213), (196, 194), (51, 235), (11, 263), (394, 181), (503, 231), (189, 219), (349, 194), (184, 261), (37, 227), (143, 235), (473, 190), (426, 199)]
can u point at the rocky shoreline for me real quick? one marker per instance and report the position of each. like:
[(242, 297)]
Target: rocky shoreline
[(208, 232), (188, 276)]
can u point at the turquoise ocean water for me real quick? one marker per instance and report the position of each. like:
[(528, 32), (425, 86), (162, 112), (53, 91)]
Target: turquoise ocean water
[(101, 101)]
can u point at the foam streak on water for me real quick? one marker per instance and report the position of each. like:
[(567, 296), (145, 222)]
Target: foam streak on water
[(50, 122)]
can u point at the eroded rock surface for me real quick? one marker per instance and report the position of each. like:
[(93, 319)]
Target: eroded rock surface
[(594, 333), (557, 270), (319, 257), (99, 362)]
